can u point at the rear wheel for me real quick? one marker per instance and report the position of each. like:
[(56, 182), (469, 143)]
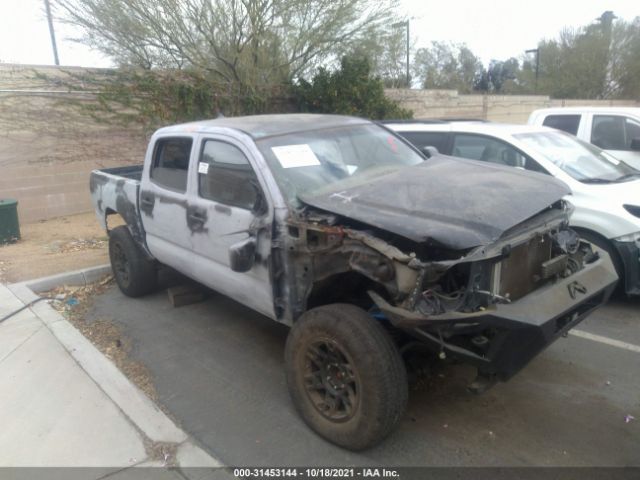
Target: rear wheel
[(345, 376), (135, 274)]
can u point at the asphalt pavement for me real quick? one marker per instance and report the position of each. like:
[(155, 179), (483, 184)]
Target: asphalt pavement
[(218, 370)]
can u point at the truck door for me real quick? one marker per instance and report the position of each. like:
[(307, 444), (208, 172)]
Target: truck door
[(615, 134), (231, 217), (163, 200)]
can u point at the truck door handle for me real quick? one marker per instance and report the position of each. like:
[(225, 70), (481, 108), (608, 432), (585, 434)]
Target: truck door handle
[(147, 200), (198, 217)]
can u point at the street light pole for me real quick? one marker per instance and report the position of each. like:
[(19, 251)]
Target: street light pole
[(52, 33), (408, 77), (537, 52)]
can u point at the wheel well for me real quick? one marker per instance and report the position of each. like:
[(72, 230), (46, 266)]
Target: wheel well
[(113, 219), (604, 242), (346, 287)]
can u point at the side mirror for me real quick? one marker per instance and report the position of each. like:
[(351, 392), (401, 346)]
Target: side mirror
[(242, 255), (635, 145), (429, 151)]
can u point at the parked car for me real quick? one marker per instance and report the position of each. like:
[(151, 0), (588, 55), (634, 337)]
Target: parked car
[(614, 129), (337, 227), (604, 191)]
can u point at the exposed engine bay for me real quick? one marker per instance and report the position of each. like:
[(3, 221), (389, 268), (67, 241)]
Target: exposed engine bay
[(473, 304)]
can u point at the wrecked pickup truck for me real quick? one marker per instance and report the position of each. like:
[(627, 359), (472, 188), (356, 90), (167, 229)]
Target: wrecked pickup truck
[(340, 229)]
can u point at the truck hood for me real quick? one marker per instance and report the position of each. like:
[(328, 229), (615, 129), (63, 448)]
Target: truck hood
[(458, 204)]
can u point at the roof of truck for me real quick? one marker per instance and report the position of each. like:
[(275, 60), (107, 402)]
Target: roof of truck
[(260, 126)]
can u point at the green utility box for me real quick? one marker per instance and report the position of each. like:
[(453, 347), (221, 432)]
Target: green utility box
[(9, 225)]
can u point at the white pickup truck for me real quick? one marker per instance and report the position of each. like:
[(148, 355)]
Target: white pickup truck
[(338, 228), (613, 129)]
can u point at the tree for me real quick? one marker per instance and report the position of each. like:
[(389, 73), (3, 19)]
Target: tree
[(499, 77), (251, 42), (447, 65), (625, 60), (386, 51), (349, 90), (601, 60)]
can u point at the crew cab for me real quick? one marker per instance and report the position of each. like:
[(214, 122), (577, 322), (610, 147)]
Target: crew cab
[(338, 228), (614, 129), (605, 192)]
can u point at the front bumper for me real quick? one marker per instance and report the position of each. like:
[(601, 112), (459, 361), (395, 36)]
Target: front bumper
[(630, 256), (515, 332)]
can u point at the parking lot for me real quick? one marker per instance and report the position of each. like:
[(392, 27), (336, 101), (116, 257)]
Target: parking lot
[(218, 370)]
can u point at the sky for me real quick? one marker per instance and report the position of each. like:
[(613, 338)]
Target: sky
[(496, 29)]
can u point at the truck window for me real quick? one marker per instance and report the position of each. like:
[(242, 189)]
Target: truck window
[(614, 132), (428, 139), (631, 131), (567, 123), (225, 175), (171, 163)]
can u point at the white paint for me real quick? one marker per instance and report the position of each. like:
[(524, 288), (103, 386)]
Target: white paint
[(606, 340), (294, 156)]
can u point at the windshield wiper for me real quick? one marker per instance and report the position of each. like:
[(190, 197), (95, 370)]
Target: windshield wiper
[(597, 180), (627, 176)]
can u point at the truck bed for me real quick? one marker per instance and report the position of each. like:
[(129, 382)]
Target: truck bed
[(116, 191), (133, 172)]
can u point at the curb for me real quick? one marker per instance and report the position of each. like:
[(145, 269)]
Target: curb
[(136, 406), (75, 278)]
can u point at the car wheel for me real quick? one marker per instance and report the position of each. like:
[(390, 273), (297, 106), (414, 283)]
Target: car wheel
[(345, 375), (135, 274)]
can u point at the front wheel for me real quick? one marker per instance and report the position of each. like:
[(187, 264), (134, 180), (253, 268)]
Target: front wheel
[(135, 274), (345, 375)]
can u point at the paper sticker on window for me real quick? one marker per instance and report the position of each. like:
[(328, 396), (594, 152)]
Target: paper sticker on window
[(293, 156), (203, 168)]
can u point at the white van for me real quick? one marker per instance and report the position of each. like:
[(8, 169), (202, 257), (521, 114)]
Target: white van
[(613, 129), (604, 191)]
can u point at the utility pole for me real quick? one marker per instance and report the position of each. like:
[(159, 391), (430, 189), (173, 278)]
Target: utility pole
[(537, 52), (52, 33), (408, 76)]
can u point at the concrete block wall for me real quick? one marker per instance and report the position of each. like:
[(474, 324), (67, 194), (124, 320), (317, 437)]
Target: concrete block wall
[(496, 108), (47, 150)]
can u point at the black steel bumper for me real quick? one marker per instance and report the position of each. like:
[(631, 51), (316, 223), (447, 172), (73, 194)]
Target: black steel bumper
[(519, 330), (630, 256)]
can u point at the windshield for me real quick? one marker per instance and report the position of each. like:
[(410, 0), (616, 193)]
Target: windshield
[(314, 161), (583, 161)]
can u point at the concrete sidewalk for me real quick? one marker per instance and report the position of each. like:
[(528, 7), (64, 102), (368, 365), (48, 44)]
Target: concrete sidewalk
[(63, 404)]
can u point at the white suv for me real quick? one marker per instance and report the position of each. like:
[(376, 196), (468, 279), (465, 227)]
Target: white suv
[(614, 129), (605, 191)]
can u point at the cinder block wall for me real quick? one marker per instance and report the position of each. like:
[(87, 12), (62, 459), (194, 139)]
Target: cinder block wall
[(47, 150), (497, 108)]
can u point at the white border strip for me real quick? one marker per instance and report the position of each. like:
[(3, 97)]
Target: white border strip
[(606, 340)]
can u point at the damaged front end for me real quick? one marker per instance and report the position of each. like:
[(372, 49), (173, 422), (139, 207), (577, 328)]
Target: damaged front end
[(495, 306)]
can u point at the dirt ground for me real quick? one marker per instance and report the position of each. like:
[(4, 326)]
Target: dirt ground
[(54, 246)]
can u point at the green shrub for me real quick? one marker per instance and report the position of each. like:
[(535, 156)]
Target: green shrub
[(351, 90)]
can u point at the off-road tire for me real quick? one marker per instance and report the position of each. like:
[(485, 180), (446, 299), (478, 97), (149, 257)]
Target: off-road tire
[(135, 274), (376, 363)]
